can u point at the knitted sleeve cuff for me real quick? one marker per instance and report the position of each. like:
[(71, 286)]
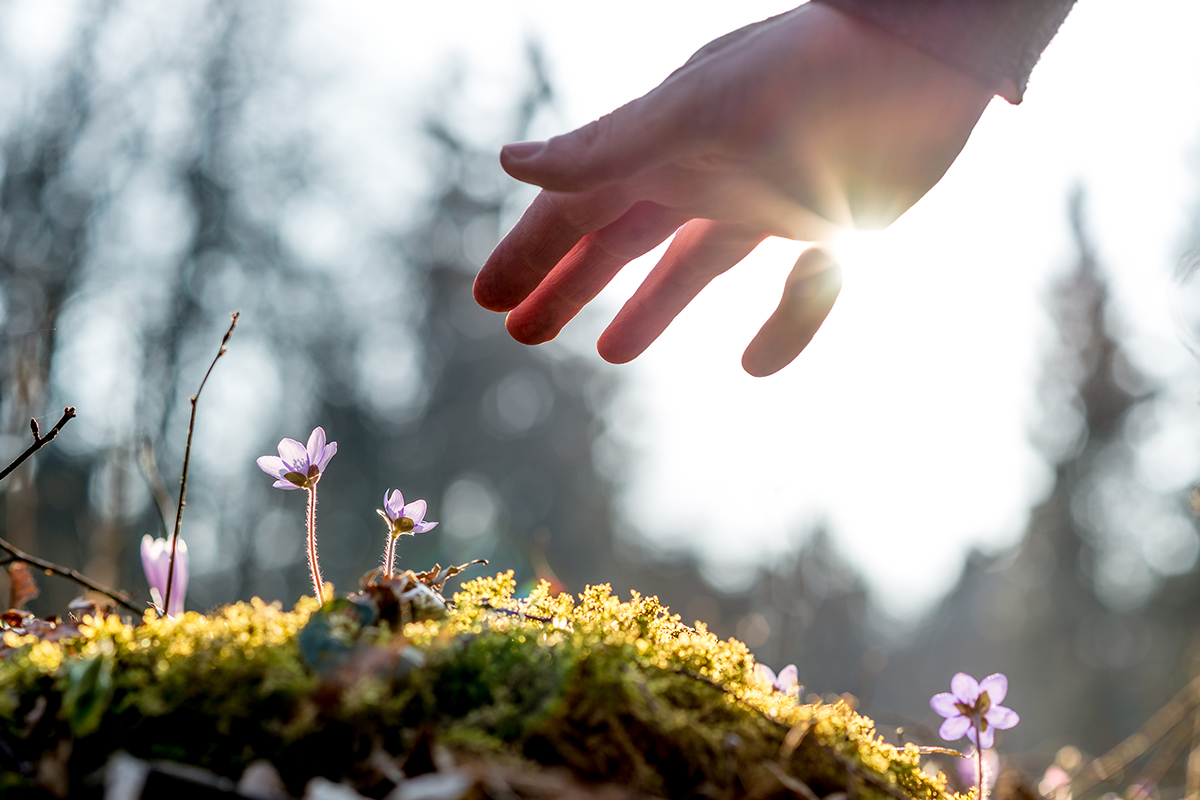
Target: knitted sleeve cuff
[(993, 40)]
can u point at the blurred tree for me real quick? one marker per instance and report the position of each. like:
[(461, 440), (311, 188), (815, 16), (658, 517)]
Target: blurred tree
[(1066, 613), (44, 214), (154, 189)]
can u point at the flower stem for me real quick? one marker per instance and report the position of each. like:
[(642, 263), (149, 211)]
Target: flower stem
[(389, 557), (979, 756), (318, 584)]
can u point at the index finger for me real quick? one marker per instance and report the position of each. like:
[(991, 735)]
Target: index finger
[(548, 230)]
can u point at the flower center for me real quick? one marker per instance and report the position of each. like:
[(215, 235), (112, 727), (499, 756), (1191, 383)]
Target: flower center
[(978, 711)]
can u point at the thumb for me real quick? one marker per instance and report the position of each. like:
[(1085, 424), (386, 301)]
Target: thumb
[(637, 136), (808, 297)]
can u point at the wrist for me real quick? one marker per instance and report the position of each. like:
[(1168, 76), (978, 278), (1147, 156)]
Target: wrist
[(997, 42)]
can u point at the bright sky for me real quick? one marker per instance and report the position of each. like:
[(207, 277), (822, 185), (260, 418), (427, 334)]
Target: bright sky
[(904, 425)]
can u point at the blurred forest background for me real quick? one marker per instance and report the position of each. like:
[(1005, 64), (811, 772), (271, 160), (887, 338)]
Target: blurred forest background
[(150, 183)]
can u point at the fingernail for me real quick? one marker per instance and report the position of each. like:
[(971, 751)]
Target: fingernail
[(522, 150)]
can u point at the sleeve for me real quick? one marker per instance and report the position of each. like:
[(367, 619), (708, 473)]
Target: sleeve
[(994, 40)]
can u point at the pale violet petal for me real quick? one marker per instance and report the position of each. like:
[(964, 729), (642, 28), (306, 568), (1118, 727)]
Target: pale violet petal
[(327, 452), (152, 563), (953, 729), (282, 484), (986, 739), (996, 685), (424, 527), (394, 504), (789, 678), (272, 465), (294, 455), (944, 704), (416, 510), (965, 688), (1001, 717), (766, 673), (316, 444)]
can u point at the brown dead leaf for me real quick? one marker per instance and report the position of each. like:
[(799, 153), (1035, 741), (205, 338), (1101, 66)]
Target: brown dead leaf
[(22, 586)]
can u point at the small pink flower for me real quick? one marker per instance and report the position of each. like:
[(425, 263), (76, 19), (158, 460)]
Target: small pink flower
[(788, 680), (156, 560), (972, 708), (297, 466), (300, 467), (403, 518)]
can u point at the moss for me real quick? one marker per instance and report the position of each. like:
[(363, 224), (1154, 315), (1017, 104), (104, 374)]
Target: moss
[(616, 691)]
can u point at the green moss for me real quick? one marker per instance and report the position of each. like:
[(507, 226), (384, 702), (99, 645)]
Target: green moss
[(616, 691)]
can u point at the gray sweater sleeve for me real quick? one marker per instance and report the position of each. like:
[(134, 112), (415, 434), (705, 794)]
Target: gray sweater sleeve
[(989, 39)]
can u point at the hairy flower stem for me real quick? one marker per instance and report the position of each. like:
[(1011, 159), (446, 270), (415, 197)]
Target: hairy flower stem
[(389, 556), (979, 755), (318, 584)]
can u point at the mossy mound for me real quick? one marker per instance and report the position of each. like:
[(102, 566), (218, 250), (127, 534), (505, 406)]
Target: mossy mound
[(617, 692)]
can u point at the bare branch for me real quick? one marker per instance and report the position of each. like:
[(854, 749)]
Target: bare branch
[(20, 556), (39, 441), (187, 456), (158, 487), (54, 569)]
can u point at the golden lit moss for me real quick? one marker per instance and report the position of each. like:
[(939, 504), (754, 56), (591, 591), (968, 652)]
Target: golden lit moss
[(617, 691)]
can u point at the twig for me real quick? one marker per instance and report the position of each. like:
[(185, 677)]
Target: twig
[(158, 487), (17, 555), (945, 751), (51, 568), (39, 441), (1158, 726), (187, 455)]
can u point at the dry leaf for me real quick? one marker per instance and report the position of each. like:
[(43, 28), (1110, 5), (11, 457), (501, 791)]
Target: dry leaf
[(23, 588)]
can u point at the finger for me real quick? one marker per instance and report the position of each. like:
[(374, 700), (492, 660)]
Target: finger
[(649, 131), (587, 269), (701, 251), (549, 228), (808, 297)]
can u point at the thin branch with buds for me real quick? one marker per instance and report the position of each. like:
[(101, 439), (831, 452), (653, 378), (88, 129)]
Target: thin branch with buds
[(16, 555), (39, 441), (50, 567), (187, 455)]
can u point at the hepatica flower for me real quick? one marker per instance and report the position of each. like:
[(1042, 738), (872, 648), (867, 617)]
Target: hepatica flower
[(297, 466), (973, 709), (156, 559), (301, 467), (787, 681), (401, 519)]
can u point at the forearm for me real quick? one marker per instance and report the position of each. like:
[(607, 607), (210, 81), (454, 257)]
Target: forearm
[(996, 41)]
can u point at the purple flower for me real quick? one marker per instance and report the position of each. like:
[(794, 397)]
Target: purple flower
[(156, 560), (297, 466), (404, 518), (788, 680), (300, 467), (401, 519), (973, 709)]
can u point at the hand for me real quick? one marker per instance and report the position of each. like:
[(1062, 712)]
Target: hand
[(795, 126)]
